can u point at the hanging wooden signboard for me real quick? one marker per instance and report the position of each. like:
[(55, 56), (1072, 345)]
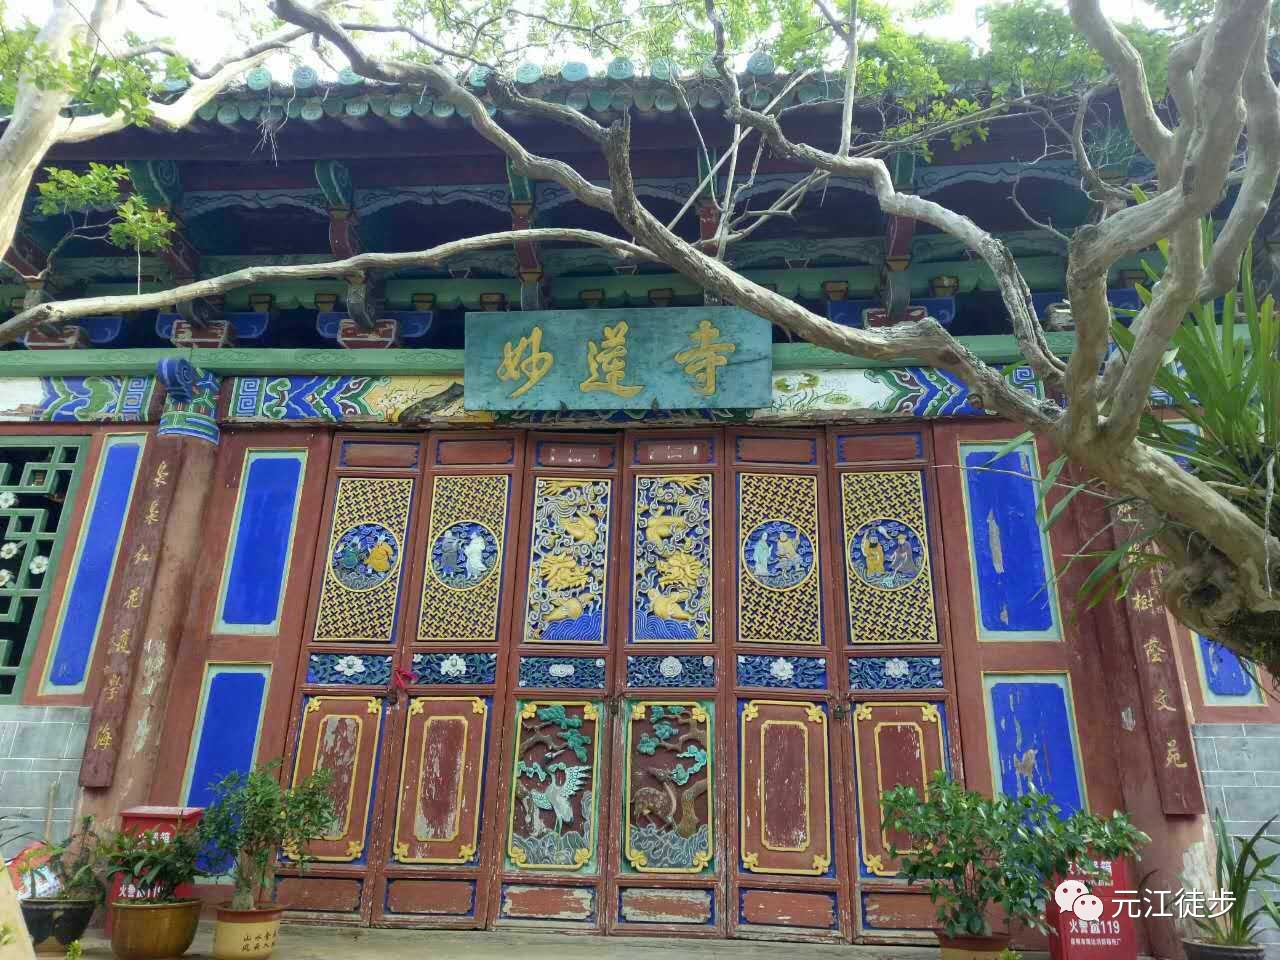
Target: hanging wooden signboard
[(672, 358)]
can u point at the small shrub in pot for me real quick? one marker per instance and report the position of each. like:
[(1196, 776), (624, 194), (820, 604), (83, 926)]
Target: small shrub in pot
[(1241, 868), (154, 922), (251, 818), (973, 853), (76, 865)]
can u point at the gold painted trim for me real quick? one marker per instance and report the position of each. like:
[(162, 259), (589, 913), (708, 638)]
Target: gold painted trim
[(372, 706), (808, 814), (636, 858), (751, 860), (467, 851), (874, 861), (582, 856)]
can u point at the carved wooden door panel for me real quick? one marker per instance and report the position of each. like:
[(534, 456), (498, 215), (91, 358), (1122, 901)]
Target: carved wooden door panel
[(408, 614), (550, 850), (442, 768), (897, 663), (785, 803), (440, 841), (790, 876), (667, 835), (341, 735)]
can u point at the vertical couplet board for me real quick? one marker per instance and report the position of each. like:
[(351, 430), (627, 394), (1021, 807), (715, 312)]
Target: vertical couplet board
[(441, 819), (1032, 698), (896, 656), (348, 716), (550, 843), (233, 687), (671, 780), (789, 876)]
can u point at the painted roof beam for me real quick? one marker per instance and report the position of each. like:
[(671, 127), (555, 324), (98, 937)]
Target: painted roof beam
[(201, 323)]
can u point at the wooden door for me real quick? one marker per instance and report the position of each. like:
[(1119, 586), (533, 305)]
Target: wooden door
[(402, 672), (902, 723), (549, 853), (670, 781), (789, 877), (346, 715), (233, 682), (439, 847)]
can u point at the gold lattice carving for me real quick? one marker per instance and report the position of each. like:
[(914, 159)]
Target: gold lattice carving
[(348, 615), (794, 614), (877, 615), (447, 613)]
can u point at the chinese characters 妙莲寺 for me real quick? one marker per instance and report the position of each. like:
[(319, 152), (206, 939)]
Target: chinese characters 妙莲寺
[(705, 357), (533, 367), (607, 363)]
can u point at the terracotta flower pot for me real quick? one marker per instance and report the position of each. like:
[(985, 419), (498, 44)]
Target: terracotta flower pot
[(971, 948), (54, 924), (246, 933), (153, 931), (1199, 950)]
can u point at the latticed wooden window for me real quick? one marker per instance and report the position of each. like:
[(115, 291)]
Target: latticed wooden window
[(38, 481)]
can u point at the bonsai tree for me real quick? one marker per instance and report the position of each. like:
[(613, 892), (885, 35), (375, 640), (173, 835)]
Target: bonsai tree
[(972, 852), (1241, 871), (151, 864), (253, 816), (76, 863)]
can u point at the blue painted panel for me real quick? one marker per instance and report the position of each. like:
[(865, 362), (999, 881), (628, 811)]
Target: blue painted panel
[(228, 722), (94, 563), (1032, 737), (261, 542), (1010, 554), (1226, 679)]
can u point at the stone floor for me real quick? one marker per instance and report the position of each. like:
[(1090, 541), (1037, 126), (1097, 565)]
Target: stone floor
[(301, 942)]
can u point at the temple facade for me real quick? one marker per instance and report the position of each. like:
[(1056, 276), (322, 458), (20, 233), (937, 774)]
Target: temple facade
[(609, 607)]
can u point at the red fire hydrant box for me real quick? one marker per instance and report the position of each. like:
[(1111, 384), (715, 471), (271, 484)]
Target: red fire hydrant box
[(1089, 917), (165, 821)]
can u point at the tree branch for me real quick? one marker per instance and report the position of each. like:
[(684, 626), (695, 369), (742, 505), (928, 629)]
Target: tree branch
[(925, 340), (61, 311), (1013, 287), (1149, 133)]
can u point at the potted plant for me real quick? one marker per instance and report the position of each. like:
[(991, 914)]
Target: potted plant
[(1240, 871), (250, 819), (150, 921), (75, 867), (974, 854)]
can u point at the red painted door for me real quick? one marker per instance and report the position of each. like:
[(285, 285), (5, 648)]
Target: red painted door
[(404, 674)]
